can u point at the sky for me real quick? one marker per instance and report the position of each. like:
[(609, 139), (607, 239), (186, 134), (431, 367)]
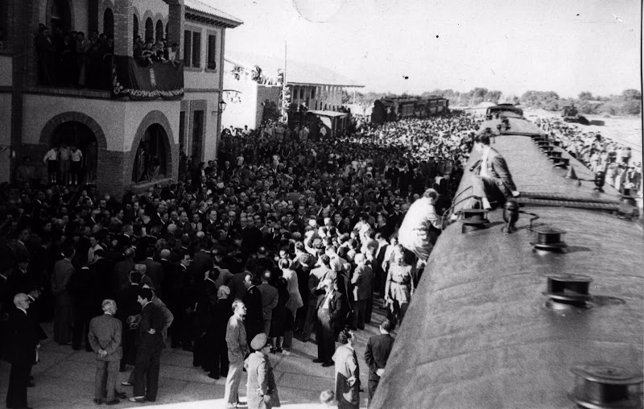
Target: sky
[(567, 46)]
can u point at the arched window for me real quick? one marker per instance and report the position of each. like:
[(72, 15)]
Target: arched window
[(152, 155), (159, 31), (149, 29), (135, 26), (108, 23)]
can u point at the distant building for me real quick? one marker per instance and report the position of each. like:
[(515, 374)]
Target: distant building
[(131, 116), (250, 89)]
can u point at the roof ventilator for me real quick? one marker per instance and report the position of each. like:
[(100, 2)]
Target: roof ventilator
[(605, 386), (511, 216), (476, 218), (549, 239), (547, 148), (568, 290)]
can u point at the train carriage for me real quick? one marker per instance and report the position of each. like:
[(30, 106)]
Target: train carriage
[(513, 320), (393, 109)]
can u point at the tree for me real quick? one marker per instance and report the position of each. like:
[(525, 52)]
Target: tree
[(493, 96), (631, 94), (632, 107), (585, 96)]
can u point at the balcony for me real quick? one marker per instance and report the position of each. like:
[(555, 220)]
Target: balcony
[(105, 76)]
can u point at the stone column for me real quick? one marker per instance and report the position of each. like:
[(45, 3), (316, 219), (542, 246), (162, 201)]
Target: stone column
[(123, 27), (175, 24)]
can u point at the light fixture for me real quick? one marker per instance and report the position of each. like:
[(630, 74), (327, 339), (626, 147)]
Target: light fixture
[(222, 106)]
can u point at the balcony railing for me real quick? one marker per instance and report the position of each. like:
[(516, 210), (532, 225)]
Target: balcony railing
[(123, 76), (143, 79)]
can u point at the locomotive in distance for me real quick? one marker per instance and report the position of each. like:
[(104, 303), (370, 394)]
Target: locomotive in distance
[(395, 108), (490, 326)]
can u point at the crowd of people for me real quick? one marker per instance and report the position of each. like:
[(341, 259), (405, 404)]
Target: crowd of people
[(151, 51), (278, 237), (621, 168), (69, 58)]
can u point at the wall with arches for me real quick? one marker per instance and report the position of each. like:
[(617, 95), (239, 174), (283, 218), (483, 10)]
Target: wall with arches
[(117, 126), (153, 9)]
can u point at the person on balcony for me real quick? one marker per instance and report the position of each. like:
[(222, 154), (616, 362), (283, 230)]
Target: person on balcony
[(76, 168), (64, 156), (46, 56), (138, 47), (51, 160)]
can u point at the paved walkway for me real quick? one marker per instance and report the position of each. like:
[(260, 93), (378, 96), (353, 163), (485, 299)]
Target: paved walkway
[(65, 378)]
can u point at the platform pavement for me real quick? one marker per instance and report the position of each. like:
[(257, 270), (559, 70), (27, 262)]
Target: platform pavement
[(65, 378)]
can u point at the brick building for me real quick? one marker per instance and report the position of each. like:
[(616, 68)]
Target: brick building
[(130, 114)]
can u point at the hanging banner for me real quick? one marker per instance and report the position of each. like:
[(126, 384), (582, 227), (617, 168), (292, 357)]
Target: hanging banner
[(146, 80)]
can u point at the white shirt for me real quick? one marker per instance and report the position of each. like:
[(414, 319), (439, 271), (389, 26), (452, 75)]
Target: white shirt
[(484, 172), (51, 155), (76, 155)]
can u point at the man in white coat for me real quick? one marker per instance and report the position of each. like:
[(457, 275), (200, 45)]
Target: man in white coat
[(421, 218)]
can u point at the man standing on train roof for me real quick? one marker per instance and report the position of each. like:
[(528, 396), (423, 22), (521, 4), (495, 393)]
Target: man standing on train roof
[(493, 182)]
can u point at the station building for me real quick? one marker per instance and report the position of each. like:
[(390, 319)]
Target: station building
[(252, 81), (132, 117)]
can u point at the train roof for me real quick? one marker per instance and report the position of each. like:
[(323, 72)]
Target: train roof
[(478, 332), (537, 177), (518, 126)]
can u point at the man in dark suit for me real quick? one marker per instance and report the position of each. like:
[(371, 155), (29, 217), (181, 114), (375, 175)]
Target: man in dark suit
[(129, 308), (148, 352), (376, 355), (254, 308), (101, 269), (176, 287), (105, 339), (122, 270), (86, 303), (206, 300), (494, 182), (21, 344), (154, 271), (331, 314), (362, 283), (63, 271)]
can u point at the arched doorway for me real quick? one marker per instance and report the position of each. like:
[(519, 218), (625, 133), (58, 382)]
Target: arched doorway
[(159, 30), (149, 29), (152, 159), (60, 16), (108, 23), (76, 134)]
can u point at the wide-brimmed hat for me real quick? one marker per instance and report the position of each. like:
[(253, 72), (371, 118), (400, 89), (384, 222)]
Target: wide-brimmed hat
[(259, 341)]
